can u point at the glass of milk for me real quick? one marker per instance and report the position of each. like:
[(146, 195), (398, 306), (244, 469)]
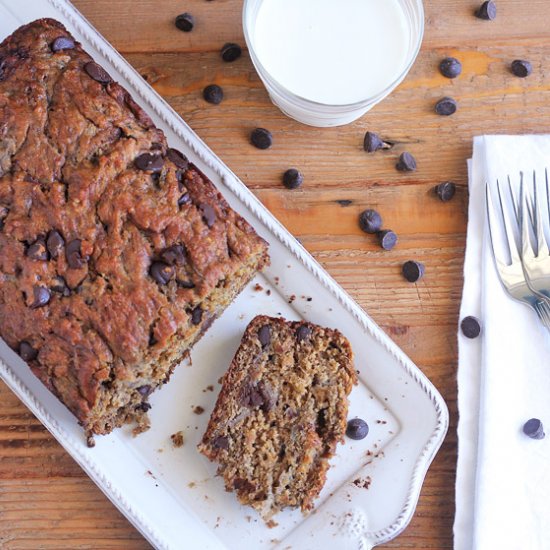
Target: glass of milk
[(327, 62)]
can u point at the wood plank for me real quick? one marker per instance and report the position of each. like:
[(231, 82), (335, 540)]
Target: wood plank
[(141, 26)]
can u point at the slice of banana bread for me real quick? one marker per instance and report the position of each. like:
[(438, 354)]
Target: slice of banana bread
[(116, 252), (280, 413)]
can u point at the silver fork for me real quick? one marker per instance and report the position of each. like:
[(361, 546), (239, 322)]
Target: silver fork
[(536, 263), (512, 275)]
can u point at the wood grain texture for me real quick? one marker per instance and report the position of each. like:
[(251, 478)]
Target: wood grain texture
[(45, 499)]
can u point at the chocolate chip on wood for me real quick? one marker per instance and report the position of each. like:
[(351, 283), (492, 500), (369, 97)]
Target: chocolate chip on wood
[(372, 142), (445, 191), (370, 221), (261, 138), (231, 52), (406, 163), (387, 239), (185, 22), (213, 94), (446, 106), (292, 178), (487, 11), (413, 271), (521, 68), (450, 67)]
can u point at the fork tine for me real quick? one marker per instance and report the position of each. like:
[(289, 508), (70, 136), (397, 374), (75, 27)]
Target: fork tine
[(542, 246), (525, 214), (491, 220), (516, 207), (510, 238)]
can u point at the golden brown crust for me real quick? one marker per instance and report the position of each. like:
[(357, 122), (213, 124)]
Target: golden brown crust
[(84, 218), (280, 413)]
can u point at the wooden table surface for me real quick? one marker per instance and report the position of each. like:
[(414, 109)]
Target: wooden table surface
[(46, 501)]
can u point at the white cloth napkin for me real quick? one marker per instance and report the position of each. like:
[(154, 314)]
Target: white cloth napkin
[(503, 477)]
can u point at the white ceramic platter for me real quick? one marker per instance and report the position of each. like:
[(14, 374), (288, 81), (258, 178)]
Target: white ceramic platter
[(172, 495)]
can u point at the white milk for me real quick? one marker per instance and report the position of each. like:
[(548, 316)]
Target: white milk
[(335, 52)]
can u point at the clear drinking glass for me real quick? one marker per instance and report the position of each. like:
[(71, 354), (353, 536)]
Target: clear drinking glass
[(320, 114)]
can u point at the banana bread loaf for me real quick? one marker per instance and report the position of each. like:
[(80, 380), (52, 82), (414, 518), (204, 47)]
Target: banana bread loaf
[(280, 413), (116, 252)]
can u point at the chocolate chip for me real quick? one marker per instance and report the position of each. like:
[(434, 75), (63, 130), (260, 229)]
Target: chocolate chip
[(487, 11), (213, 94), (74, 256), (37, 250), (196, 315), (41, 295), (144, 407), (184, 199), (450, 67), (231, 52), (292, 179), (269, 396), (208, 214), (387, 239), (178, 158), (60, 286), (185, 22), (149, 162), (174, 255), (370, 221), (185, 284), (261, 138), (471, 327), (446, 106), (220, 442), (445, 191), (180, 176), (55, 243), (161, 272), (264, 335), (372, 142), (97, 72), (27, 352), (406, 163), (144, 391), (251, 396), (62, 43), (344, 202), (357, 429), (413, 271), (244, 485), (30, 179), (534, 429), (303, 332), (521, 68), (3, 215)]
